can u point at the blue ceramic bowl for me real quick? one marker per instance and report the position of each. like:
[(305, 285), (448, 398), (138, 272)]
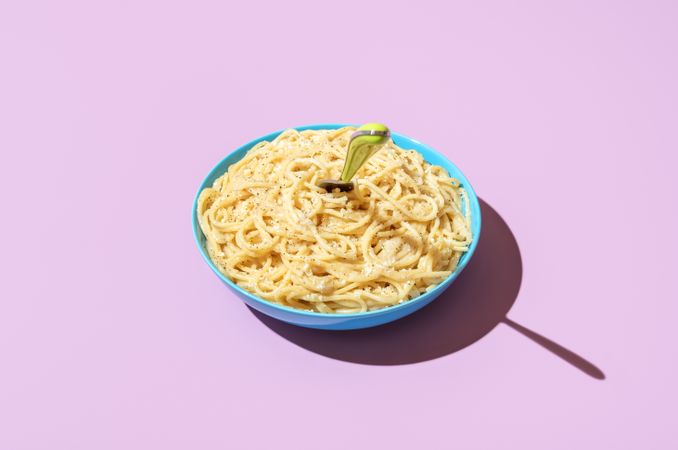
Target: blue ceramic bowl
[(342, 321)]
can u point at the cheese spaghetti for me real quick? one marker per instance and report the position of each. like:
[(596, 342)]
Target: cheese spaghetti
[(275, 233)]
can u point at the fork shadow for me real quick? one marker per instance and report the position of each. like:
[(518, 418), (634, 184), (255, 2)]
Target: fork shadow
[(469, 309)]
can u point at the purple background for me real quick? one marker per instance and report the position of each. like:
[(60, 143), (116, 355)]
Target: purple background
[(114, 334)]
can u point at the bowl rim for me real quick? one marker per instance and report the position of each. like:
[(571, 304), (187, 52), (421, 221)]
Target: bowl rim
[(472, 199)]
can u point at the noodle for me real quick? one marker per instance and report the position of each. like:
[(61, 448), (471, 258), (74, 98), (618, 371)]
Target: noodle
[(275, 233)]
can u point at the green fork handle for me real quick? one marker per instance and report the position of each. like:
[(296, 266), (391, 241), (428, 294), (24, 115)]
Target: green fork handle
[(364, 143)]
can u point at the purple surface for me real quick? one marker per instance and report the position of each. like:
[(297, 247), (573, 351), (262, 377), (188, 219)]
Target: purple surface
[(114, 334)]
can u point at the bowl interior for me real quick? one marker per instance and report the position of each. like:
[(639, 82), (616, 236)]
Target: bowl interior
[(402, 141)]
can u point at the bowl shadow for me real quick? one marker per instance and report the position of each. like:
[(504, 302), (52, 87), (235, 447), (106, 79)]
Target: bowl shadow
[(468, 310)]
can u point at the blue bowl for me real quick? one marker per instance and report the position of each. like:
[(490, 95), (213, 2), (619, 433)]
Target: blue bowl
[(342, 321)]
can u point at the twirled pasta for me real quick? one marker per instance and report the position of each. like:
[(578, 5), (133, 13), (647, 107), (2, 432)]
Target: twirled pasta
[(275, 233)]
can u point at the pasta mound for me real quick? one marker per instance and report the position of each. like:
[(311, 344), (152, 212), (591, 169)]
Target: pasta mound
[(275, 233)]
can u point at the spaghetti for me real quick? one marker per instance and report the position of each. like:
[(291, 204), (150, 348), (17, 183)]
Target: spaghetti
[(275, 233)]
